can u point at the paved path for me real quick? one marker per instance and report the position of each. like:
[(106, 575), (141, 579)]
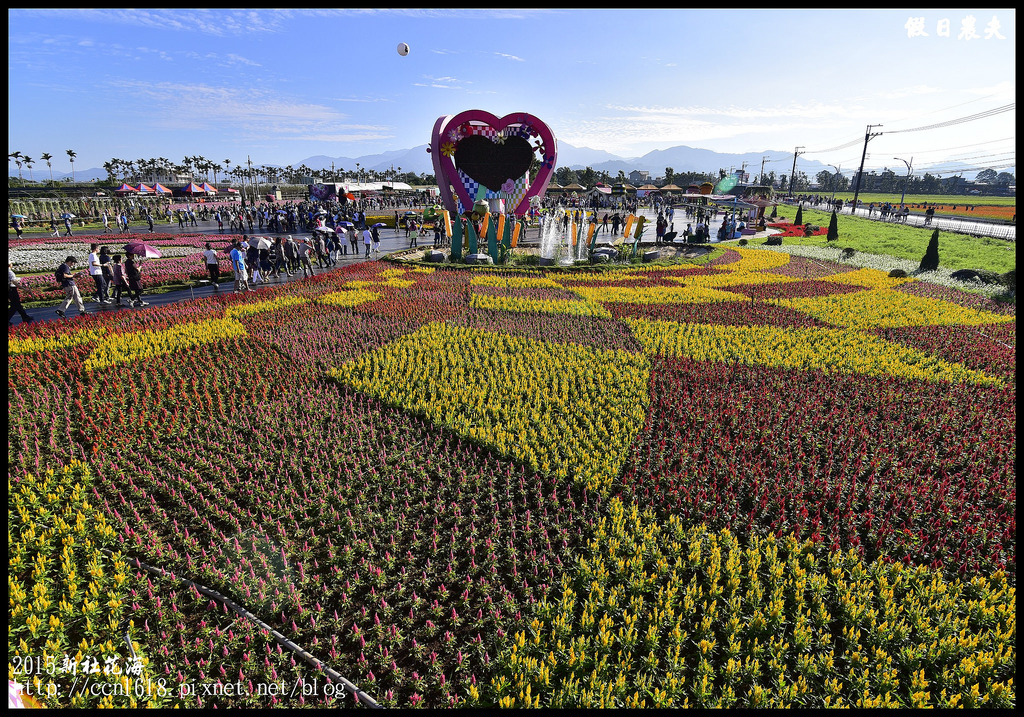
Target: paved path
[(391, 241), (960, 225)]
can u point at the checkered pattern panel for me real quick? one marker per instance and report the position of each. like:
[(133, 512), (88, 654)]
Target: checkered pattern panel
[(472, 187)]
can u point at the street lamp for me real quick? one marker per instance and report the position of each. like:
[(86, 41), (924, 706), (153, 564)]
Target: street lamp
[(907, 180), (835, 181)]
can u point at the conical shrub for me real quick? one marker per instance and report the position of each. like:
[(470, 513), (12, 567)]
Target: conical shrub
[(930, 261)]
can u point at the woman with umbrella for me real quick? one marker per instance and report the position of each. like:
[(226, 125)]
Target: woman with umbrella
[(131, 270), (375, 233), (16, 224)]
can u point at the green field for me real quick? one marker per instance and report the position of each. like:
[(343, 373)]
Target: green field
[(956, 251), (894, 198)]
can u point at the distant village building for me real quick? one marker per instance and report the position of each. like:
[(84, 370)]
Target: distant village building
[(639, 176)]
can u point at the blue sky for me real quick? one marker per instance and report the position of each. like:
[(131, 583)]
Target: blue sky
[(281, 86)]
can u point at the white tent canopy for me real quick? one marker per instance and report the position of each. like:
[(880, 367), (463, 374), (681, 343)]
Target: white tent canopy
[(375, 186)]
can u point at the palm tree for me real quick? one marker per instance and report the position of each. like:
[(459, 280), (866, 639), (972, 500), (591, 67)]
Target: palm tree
[(28, 163), (46, 157), (111, 170), (227, 168), (71, 155), (164, 165), (16, 156)]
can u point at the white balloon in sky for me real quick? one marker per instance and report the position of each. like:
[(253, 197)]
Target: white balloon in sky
[(403, 49)]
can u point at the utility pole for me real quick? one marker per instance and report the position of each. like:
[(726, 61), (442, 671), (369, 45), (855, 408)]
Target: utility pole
[(792, 174), (761, 176), (860, 172), (906, 181)]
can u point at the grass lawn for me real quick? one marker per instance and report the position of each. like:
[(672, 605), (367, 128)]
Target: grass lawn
[(956, 251), (957, 199)]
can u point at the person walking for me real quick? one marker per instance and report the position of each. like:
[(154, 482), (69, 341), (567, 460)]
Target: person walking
[(106, 222), (375, 236), (16, 224), (66, 279), (252, 258), (134, 274), (321, 250), (238, 263), (304, 250), (149, 220), (353, 240), (277, 255), (96, 272), (107, 274), (264, 261), (53, 227), (119, 280), (367, 241), (291, 255), (212, 266), (67, 226), (14, 298)]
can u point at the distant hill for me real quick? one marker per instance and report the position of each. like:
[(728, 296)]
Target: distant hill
[(680, 158)]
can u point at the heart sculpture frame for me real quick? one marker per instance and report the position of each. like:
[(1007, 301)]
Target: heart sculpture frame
[(499, 151)]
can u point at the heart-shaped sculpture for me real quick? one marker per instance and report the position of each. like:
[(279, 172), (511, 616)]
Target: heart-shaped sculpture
[(483, 156)]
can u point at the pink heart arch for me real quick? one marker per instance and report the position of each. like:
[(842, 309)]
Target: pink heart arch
[(449, 129)]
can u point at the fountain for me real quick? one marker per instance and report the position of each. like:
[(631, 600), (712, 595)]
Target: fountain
[(556, 238)]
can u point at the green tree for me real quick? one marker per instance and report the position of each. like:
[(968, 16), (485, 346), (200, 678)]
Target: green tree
[(799, 215), (986, 176), (564, 175), (71, 156), (669, 174), (930, 261)]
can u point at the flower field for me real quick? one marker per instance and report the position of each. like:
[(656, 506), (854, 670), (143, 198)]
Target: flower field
[(35, 260), (766, 481)]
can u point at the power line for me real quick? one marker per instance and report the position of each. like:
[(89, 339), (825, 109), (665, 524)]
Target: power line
[(851, 143), (960, 120), (962, 146), (943, 109), (1003, 156)]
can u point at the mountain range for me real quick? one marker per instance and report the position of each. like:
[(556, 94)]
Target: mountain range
[(680, 158)]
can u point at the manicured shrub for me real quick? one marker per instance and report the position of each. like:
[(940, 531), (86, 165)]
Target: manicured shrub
[(930, 260)]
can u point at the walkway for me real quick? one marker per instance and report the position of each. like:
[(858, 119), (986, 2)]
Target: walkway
[(960, 225), (389, 242)]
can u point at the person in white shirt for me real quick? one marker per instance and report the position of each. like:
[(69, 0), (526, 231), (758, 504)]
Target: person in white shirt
[(212, 265), (96, 272), (368, 241)]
